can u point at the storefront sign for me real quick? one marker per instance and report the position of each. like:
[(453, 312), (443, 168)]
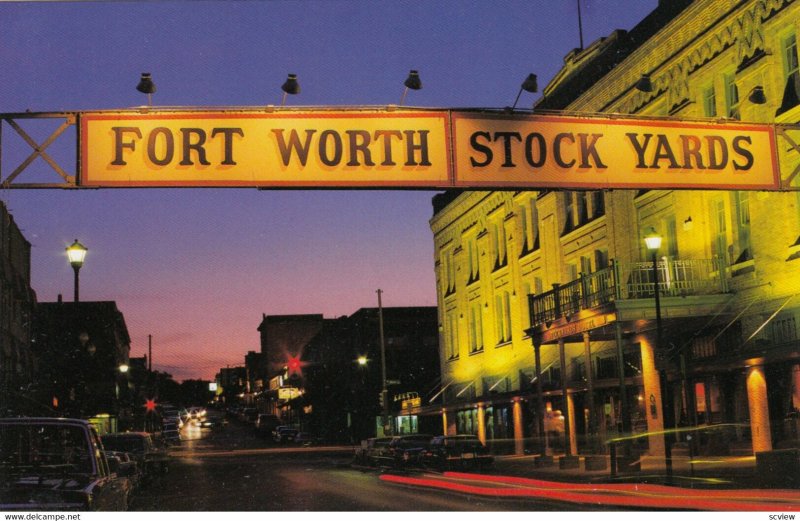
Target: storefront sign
[(421, 149)]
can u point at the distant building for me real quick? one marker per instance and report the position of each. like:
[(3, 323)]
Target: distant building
[(283, 338), (231, 382), (341, 397), (17, 302), (81, 347)]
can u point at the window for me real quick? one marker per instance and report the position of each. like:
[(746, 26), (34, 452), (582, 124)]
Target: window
[(790, 62), (503, 317), (709, 102), (452, 336), (742, 206), (731, 97), (530, 227), (476, 328), (499, 236), (474, 267), (583, 210), (718, 228), (448, 273), (598, 204)]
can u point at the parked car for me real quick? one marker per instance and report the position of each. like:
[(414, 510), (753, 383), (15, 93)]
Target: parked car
[(248, 415), (404, 450), (127, 467), (150, 458), (370, 449), (463, 451), (284, 434), (171, 435), (266, 423), (56, 464), (305, 439)]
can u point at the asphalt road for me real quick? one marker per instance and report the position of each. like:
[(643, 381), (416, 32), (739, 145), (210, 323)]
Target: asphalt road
[(230, 469)]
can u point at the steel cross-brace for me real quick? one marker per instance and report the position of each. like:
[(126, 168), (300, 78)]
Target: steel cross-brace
[(39, 150)]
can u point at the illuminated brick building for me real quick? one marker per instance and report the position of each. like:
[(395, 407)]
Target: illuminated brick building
[(567, 275)]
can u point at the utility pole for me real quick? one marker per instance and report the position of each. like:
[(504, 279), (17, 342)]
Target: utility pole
[(387, 428)]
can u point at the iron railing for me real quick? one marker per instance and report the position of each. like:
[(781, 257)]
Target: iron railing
[(628, 281)]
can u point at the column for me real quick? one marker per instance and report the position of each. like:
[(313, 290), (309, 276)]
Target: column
[(519, 442), (587, 355), (540, 401), (444, 422), (481, 423), (652, 397), (565, 407), (570, 414), (759, 410)]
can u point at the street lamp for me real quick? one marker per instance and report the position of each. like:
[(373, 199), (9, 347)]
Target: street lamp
[(387, 428), (653, 242), (76, 253), (362, 360)]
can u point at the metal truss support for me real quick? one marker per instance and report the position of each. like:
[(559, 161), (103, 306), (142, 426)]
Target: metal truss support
[(69, 119)]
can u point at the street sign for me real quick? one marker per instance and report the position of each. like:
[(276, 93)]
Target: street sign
[(392, 382)]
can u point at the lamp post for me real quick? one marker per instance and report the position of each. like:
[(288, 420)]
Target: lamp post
[(653, 242), (76, 253), (387, 429)]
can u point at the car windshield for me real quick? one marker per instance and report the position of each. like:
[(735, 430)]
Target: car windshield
[(45, 449)]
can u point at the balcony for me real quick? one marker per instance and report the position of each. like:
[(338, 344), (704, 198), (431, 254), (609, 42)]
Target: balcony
[(622, 284)]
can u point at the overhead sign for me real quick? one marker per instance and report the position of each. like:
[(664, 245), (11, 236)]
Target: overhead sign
[(421, 149), (609, 152), (285, 149)]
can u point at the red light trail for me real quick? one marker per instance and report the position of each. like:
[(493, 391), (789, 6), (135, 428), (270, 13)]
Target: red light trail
[(622, 495)]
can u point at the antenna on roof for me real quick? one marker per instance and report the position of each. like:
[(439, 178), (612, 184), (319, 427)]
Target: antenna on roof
[(580, 24)]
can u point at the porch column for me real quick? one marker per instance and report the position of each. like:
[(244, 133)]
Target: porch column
[(481, 423), (592, 427), (624, 421), (566, 407), (519, 442), (573, 438), (652, 398), (759, 410), (444, 422), (539, 401)]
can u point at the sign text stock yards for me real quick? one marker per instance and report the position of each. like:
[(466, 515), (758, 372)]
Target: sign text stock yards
[(421, 149)]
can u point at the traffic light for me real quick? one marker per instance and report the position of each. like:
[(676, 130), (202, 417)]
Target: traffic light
[(380, 398)]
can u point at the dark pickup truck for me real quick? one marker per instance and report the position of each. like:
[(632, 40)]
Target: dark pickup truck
[(56, 464)]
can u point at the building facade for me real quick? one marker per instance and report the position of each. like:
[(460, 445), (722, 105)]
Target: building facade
[(17, 303), (552, 336), (82, 348)]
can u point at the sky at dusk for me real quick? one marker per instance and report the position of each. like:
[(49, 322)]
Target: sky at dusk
[(196, 268)]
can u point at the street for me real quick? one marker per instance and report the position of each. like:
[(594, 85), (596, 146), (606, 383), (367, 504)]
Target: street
[(229, 469)]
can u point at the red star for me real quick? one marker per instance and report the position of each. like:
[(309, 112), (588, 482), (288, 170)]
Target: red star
[(150, 405)]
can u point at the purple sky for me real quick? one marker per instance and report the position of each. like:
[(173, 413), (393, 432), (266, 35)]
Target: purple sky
[(196, 268)]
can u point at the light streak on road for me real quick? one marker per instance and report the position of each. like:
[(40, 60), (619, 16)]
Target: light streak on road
[(632, 495)]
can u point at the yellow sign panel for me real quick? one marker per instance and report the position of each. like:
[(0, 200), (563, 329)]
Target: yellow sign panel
[(293, 149), (587, 153), (421, 149)]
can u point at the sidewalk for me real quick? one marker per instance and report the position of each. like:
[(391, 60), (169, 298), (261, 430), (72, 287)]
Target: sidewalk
[(716, 472)]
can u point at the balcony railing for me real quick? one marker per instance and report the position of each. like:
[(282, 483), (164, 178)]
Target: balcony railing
[(628, 281)]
